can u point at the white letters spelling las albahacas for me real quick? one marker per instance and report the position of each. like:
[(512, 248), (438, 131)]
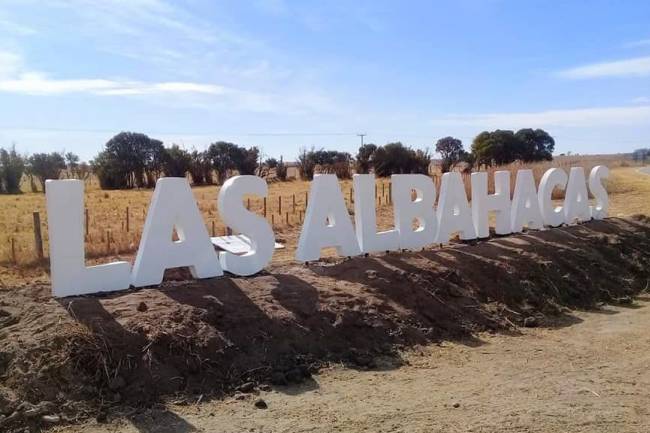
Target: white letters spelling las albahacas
[(327, 222)]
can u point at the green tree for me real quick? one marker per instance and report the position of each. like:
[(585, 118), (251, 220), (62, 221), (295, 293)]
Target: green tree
[(247, 160), (271, 162), (129, 160), (451, 150), (72, 164), (200, 168), (224, 157), (363, 158), (495, 148), (306, 164), (12, 167), (281, 170), (395, 158), (534, 145), (503, 147), (46, 166), (176, 162)]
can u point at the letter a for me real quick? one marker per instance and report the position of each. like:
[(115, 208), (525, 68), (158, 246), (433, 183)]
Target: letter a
[(173, 205), (327, 222)]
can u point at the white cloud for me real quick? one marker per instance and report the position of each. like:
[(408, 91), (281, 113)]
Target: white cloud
[(641, 100), (581, 117), (10, 63), (8, 26), (38, 84), (214, 95), (639, 43), (636, 67)]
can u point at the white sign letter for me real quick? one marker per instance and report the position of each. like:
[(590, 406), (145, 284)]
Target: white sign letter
[(65, 219), (483, 203), (327, 222), (365, 218), (236, 216), (525, 204), (454, 214), (553, 178), (597, 189), (173, 206), (407, 210), (576, 201)]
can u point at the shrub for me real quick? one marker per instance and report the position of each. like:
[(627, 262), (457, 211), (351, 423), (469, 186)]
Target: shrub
[(12, 167), (325, 161), (395, 158), (306, 164), (271, 162), (281, 170)]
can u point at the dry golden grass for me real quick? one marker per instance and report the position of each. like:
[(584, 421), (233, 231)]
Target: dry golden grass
[(109, 234)]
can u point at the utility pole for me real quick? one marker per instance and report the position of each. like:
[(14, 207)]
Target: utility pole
[(362, 135)]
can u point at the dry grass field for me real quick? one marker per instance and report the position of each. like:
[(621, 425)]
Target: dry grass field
[(115, 218)]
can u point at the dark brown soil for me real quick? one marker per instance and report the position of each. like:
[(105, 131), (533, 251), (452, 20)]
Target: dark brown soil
[(189, 340)]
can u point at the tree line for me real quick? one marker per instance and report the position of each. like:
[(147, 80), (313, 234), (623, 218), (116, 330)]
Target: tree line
[(37, 168), (134, 160)]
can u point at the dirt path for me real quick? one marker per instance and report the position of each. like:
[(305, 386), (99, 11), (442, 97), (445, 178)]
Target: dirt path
[(589, 376)]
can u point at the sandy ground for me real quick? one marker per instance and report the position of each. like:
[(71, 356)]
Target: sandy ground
[(590, 376)]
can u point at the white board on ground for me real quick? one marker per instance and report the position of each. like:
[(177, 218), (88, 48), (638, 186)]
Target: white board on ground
[(236, 244)]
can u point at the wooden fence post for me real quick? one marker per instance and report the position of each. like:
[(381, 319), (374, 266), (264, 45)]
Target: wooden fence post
[(306, 199), (87, 221), (294, 203), (127, 219), (108, 241), (13, 250), (38, 238), (213, 232), (287, 218), (264, 207), (280, 205)]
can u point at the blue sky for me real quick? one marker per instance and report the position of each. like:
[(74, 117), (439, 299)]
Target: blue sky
[(280, 74)]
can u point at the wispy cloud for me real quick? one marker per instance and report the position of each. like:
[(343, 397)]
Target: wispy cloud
[(38, 84), (635, 67), (8, 26), (641, 100), (639, 43), (213, 95), (10, 63), (581, 117)]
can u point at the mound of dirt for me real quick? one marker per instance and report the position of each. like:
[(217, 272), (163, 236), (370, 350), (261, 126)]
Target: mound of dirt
[(68, 359)]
